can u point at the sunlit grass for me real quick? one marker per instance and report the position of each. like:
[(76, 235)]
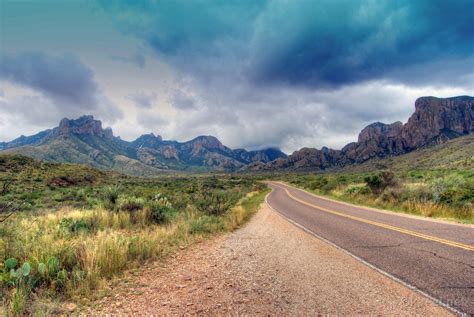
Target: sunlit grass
[(96, 245)]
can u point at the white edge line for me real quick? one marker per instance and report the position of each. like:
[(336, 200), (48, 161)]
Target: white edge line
[(379, 210), (396, 279)]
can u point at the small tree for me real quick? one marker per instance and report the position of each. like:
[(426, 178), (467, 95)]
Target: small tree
[(7, 209)]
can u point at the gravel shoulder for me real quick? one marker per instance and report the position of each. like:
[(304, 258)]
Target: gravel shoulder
[(267, 267)]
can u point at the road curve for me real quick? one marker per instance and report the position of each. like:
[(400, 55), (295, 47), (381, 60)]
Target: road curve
[(436, 258)]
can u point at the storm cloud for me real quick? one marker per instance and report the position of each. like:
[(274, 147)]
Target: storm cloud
[(320, 44), (253, 73), (142, 100), (56, 87)]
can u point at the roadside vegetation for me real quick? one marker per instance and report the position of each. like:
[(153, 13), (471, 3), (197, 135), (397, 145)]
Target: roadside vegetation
[(432, 182), (437, 193), (78, 228)]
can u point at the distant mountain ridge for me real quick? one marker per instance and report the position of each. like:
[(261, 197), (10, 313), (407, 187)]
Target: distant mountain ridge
[(83, 140), (435, 121)]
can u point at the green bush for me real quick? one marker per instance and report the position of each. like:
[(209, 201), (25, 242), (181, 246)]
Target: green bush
[(378, 182), (452, 189), (70, 225), (130, 204), (318, 183), (216, 203), (161, 213), (356, 190)]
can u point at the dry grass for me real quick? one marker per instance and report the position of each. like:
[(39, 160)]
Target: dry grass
[(104, 246)]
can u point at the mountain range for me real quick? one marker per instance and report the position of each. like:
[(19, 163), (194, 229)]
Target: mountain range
[(435, 121), (83, 140)]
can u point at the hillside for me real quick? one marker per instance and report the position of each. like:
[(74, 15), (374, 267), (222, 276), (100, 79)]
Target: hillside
[(84, 141)]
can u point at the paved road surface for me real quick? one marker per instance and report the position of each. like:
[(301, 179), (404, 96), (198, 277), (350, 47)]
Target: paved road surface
[(435, 257)]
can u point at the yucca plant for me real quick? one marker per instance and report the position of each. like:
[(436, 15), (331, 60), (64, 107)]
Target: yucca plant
[(111, 195)]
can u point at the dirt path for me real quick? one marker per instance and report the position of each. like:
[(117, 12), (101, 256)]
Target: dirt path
[(267, 267)]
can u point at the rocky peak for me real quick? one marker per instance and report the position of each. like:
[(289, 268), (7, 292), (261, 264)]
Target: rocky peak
[(207, 141), (148, 140), (85, 125), (438, 117), (377, 130)]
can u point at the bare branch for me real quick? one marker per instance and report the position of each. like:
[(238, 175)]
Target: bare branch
[(9, 211), (5, 186)]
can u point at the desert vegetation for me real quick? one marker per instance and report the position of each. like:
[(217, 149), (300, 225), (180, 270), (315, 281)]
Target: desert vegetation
[(67, 230), (79, 227), (440, 193)]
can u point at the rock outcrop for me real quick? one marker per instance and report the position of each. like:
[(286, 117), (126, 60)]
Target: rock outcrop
[(434, 121), (85, 125), (438, 119)]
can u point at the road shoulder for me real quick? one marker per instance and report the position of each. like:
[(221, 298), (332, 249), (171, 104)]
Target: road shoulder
[(268, 267)]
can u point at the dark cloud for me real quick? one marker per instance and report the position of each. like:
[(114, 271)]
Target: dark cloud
[(62, 86), (331, 43), (152, 121), (183, 101), (64, 78), (320, 44), (142, 100)]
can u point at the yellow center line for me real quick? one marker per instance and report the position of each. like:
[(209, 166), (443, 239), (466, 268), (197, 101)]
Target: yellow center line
[(383, 225)]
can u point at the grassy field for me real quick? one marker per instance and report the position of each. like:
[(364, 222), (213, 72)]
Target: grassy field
[(79, 227)]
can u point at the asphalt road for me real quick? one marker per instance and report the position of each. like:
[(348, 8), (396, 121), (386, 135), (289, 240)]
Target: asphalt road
[(436, 258)]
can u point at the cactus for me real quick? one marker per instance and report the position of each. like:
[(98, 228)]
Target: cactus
[(41, 268), (26, 269), (53, 264), (11, 263)]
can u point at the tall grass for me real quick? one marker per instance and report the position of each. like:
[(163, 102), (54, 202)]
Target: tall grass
[(96, 245)]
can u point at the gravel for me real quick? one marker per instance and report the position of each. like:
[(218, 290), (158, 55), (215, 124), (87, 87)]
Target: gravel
[(269, 267)]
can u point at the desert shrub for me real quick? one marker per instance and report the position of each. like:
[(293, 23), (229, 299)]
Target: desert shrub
[(392, 194), (342, 179), (130, 203), (70, 225), (356, 190), (318, 183), (259, 187), (62, 181), (81, 194), (452, 189), (161, 211), (329, 186), (216, 202), (378, 182)]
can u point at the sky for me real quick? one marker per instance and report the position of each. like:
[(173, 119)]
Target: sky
[(254, 73)]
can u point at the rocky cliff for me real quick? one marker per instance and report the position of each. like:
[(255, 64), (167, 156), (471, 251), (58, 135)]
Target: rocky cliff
[(434, 121)]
